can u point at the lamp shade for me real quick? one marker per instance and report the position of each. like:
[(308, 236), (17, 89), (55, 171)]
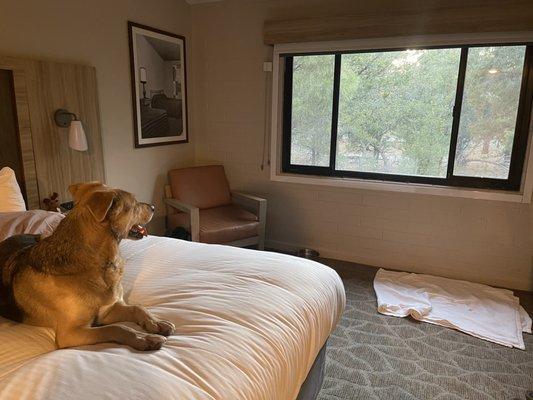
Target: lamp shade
[(142, 73), (76, 136), (175, 73)]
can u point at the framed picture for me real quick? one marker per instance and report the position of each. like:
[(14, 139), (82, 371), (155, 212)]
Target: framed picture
[(159, 86)]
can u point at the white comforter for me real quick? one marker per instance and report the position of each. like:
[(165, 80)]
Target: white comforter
[(249, 325)]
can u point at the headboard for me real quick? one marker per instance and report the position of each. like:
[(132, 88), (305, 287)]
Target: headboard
[(40, 88), (154, 92), (19, 69), (10, 153)]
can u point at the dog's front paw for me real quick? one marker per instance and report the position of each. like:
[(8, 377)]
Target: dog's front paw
[(149, 342), (166, 328), (161, 327)]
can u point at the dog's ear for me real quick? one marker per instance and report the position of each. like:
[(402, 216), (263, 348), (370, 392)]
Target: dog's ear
[(99, 203), (73, 189), (77, 190)]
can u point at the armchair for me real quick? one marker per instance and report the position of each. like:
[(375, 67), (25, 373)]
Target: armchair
[(199, 199)]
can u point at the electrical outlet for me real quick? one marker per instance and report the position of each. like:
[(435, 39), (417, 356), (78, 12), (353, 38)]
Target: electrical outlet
[(267, 66)]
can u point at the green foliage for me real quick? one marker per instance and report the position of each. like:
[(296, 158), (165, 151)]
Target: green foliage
[(311, 109), (488, 117), (396, 110)]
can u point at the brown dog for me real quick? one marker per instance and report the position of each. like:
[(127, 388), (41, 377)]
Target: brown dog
[(70, 281)]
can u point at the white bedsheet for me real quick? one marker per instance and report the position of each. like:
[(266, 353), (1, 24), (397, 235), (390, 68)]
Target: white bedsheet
[(479, 310), (249, 325)]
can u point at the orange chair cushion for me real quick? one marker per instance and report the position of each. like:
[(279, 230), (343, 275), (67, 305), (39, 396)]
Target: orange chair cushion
[(202, 187), (220, 225)]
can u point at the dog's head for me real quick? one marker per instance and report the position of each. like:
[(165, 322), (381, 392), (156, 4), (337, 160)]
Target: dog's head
[(115, 208)]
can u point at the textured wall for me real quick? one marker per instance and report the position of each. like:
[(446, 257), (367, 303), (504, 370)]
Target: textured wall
[(95, 32), (478, 240), (483, 241)]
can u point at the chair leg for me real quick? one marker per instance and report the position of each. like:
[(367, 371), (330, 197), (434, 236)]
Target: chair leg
[(261, 243), (262, 225)]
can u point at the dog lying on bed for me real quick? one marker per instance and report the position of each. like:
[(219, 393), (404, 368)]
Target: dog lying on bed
[(70, 281)]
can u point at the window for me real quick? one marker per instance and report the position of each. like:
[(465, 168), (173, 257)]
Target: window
[(454, 116)]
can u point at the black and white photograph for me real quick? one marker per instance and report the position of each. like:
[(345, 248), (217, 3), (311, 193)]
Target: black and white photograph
[(158, 86)]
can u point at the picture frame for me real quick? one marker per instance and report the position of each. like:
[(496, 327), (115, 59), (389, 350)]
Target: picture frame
[(158, 67)]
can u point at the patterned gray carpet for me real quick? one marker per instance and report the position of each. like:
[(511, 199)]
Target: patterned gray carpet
[(372, 356)]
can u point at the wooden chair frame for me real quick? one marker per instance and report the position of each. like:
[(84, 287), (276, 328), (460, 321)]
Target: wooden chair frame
[(253, 204)]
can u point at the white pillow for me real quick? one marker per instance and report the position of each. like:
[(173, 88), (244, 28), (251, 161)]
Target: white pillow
[(11, 199), (34, 222)]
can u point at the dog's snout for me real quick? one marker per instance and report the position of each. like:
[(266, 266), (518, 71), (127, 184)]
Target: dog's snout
[(150, 206)]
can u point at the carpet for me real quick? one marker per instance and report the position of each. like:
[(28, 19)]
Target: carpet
[(372, 356)]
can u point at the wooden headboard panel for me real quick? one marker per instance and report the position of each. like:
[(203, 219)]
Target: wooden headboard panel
[(20, 69), (42, 87)]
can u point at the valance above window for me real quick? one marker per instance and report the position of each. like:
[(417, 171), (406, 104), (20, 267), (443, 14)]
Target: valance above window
[(379, 19)]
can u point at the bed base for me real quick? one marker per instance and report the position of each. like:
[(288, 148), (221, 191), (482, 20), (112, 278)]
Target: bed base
[(313, 382)]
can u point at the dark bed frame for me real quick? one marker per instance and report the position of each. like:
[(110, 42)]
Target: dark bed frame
[(313, 383)]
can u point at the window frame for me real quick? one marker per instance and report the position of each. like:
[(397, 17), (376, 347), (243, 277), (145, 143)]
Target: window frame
[(520, 140)]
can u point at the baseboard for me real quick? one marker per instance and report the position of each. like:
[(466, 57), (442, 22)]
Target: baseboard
[(283, 247), (288, 247)]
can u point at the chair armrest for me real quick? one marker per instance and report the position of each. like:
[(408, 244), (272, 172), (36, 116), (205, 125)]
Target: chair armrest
[(256, 205), (251, 203), (180, 205), (194, 213)]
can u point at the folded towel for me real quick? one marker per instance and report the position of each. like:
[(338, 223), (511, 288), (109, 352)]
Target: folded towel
[(479, 310)]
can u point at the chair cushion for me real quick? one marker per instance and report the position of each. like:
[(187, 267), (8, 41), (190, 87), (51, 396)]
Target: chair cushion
[(203, 187), (220, 225)]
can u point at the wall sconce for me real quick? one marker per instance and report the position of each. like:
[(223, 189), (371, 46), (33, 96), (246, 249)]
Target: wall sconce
[(76, 135), (176, 80), (143, 79)]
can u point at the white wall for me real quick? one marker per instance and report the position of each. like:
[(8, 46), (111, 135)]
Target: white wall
[(483, 241), (95, 32)]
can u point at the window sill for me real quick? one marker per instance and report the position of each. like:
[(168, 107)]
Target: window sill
[(495, 195)]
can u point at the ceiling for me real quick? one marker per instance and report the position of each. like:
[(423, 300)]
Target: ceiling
[(168, 51)]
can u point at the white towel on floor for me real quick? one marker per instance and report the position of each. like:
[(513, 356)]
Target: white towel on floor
[(479, 310)]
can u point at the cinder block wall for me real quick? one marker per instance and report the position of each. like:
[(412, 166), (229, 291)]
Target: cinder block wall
[(483, 241)]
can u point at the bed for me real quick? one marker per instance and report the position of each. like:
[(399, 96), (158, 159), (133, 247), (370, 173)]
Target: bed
[(250, 325), (154, 122)]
